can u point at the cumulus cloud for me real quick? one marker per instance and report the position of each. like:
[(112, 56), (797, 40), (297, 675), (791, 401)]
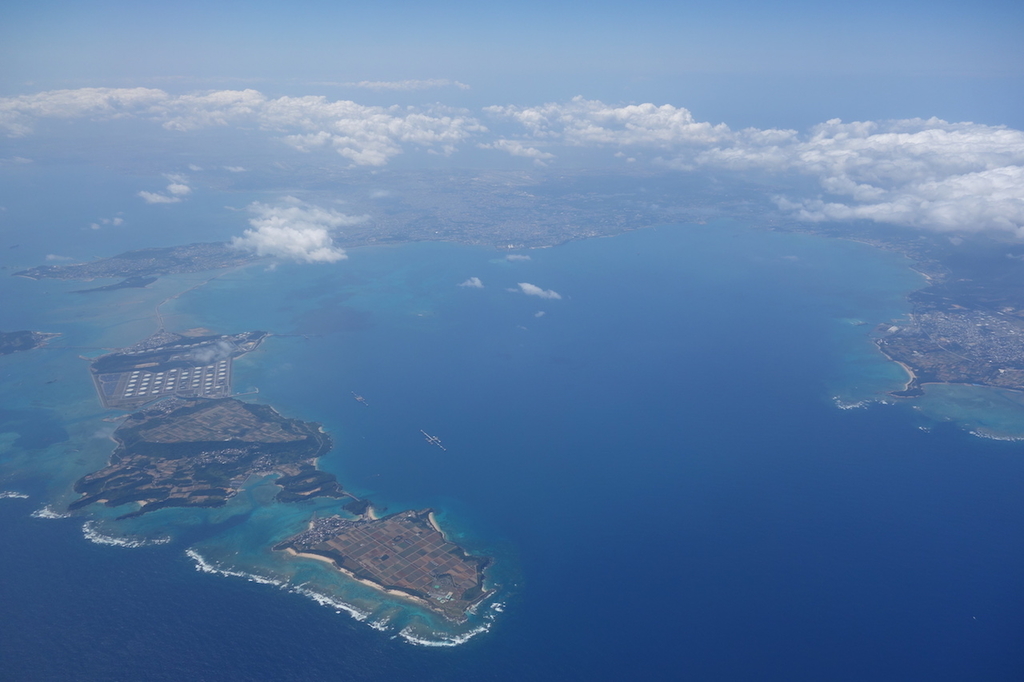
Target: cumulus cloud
[(584, 122), (516, 148), (221, 350), (922, 173), (176, 190), (295, 231), (473, 282), (516, 256), (156, 198), (106, 221), (926, 173), (534, 290), (53, 257), (18, 114), (365, 135)]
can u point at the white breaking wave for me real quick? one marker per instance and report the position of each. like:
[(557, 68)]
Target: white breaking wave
[(12, 495), (381, 624), (843, 405), (407, 634), (93, 535), (320, 598), (49, 512), (438, 639), (330, 602), (992, 436)]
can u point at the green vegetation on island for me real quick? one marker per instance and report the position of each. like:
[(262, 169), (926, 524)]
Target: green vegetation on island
[(145, 263), (12, 342), (198, 453)]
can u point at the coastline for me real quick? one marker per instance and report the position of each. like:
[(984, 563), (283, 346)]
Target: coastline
[(369, 583)]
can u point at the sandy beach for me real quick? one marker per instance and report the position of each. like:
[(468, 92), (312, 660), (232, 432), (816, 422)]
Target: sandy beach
[(368, 583)]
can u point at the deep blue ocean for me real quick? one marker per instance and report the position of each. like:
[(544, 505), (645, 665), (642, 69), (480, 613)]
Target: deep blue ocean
[(657, 463)]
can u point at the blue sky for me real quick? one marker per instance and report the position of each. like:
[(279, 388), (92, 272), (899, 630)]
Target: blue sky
[(747, 63)]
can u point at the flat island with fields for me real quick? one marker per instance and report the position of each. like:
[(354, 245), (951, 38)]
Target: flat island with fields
[(405, 554)]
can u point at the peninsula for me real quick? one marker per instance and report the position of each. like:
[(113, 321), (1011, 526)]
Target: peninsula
[(137, 266), (189, 365), (197, 453), (405, 554)]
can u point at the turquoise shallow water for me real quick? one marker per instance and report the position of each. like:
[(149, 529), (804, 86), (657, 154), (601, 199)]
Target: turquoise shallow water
[(656, 462)]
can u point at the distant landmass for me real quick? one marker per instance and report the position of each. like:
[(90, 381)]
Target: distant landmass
[(12, 342), (197, 453), (146, 263)]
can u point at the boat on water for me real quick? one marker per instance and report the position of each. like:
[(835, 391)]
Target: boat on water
[(433, 440)]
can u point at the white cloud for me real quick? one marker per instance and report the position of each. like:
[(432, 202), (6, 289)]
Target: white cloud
[(516, 148), (365, 135), (17, 114), (516, 256), (534, 290), (177, 189), (53, 256), (473, 282), (107, 221), (926, 173), (584, 122), (922, 173), (154, 198), (234, 169), (539, 313), (296, 231)]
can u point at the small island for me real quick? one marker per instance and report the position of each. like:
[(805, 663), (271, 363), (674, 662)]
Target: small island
[(198, 453), (404, 554), (12, 342)]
